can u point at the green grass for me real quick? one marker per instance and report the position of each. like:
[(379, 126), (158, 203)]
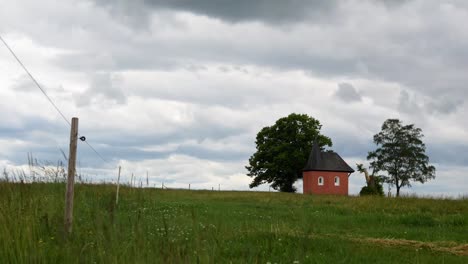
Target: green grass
[(177, 226)]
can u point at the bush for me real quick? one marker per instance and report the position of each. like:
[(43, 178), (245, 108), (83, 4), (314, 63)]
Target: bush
[(377, 190)]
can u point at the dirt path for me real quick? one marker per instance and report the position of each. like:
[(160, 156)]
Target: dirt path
[(439, 246), (442, 246)]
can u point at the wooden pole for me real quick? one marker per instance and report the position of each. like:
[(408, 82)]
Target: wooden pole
[(71, 176), (189, 186), (147, 180), (118, 185), (131, 181)]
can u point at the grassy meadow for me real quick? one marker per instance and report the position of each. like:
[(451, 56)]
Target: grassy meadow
[(181, 226)]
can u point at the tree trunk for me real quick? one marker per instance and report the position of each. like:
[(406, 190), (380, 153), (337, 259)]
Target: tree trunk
[(398, 190), (366, 174)]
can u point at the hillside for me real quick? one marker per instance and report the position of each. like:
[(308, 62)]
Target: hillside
[(179, 226)]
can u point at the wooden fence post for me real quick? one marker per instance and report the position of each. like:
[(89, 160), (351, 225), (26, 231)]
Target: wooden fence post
[(71, 176), (118, 185)]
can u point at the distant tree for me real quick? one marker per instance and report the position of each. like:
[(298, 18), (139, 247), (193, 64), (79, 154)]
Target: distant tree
[(374, 183), (400, 153), (282, 151)]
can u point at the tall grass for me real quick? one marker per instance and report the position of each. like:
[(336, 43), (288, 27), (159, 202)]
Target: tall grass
[(39, 171), (181, 226)]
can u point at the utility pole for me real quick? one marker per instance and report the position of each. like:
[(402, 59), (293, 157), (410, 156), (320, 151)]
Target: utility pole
[(71, 176)]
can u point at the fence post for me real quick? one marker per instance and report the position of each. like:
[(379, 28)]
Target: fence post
[(189, 186), (71, 176), (118, 185), (131, 181)]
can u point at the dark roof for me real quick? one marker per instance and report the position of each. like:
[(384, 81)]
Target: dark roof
[(325, 161)]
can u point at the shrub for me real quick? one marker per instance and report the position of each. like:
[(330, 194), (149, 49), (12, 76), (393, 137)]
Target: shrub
[(377, 189)]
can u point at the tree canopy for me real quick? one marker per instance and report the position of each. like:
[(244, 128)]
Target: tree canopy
[(401, 154), (282, 151)]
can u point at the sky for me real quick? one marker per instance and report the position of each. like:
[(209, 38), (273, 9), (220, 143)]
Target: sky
[(179, 89)]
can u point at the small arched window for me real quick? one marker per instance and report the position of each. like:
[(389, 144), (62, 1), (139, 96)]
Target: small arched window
[(337, 181), (320, 180)]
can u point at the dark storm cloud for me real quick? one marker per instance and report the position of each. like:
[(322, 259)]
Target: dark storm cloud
[(395, 53), (47, 146), (441, 105), (29, 125), (112, 153), (448, 153), (444, 105), (439, 153), (41, 137), (401, 50), (347, 93), (134, 146), (271, 11), (406, 103)]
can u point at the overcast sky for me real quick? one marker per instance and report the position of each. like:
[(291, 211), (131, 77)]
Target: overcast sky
[(180, 88)]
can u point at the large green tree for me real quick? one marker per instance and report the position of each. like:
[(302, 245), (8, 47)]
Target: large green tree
[(282, 151), (401, 154)]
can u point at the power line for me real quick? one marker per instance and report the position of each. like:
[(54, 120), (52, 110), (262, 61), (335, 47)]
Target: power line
[(47, 96), (95, 151), (36, 82)]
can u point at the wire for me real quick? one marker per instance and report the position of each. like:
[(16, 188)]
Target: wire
[(47, 96), (36, 82), (99, 155)]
